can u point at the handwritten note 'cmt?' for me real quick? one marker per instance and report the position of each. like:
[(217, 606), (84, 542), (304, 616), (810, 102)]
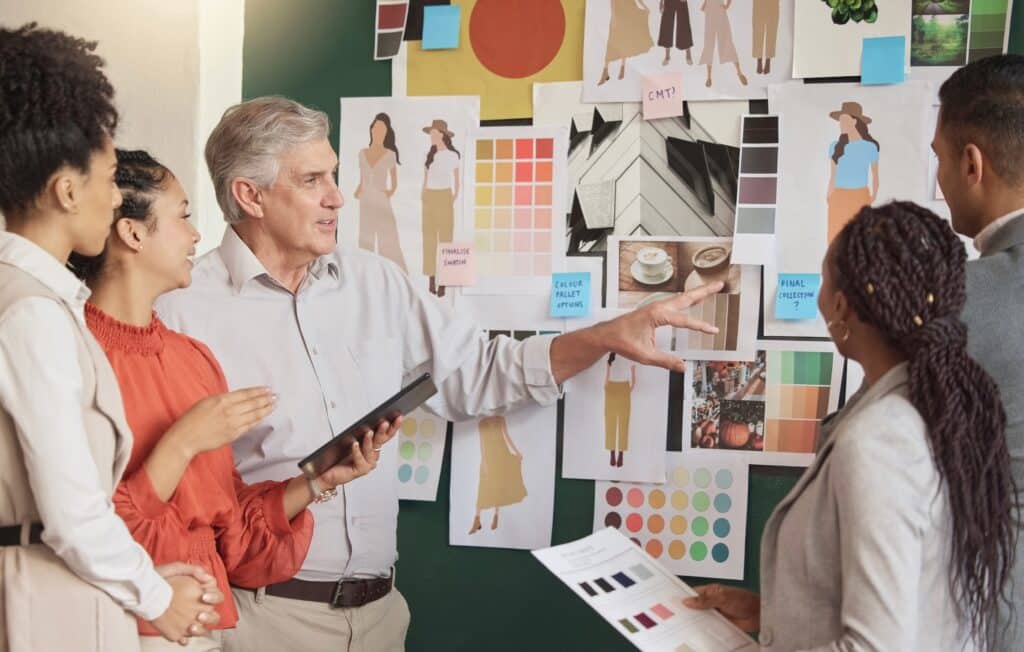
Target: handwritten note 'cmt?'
[(570, 294), (663, 96), (455, 264), (797, 296)]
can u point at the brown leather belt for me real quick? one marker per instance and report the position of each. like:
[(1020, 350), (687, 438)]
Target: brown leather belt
[(10, 535), (340, 594)]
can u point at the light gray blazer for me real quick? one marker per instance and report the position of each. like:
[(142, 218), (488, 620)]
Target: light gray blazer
[(994, 315), (856, 557)]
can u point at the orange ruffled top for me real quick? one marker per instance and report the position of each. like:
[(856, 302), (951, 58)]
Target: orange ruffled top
[(238, 532)]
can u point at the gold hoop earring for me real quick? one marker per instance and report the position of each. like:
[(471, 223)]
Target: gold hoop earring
[(832, 325)]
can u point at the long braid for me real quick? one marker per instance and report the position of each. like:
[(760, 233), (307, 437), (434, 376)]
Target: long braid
[(902, 268)]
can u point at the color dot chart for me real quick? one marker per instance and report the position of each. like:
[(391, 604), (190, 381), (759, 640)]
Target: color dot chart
[(421, 442), (694, 524)]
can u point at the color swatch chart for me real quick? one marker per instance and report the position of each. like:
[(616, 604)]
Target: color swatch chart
[(695, 523), (989, 26), (390, 28), (798, 396), (421, 442), (757, 190), (517, 215), (640, 598)]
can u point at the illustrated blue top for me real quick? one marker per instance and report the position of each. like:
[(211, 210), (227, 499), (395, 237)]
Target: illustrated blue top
[(852, 168)]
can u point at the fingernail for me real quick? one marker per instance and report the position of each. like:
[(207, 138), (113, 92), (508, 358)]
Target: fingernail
[(209, 597)]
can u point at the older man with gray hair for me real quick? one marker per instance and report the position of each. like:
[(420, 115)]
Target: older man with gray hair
[(334, 331)]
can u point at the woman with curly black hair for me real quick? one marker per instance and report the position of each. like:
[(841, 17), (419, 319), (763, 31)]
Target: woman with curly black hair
[(901, 534), (68, 566)]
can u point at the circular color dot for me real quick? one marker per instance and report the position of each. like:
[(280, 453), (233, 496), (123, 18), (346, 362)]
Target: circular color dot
[(657, 499), (612, 519), (677, 549), (427, 428), (699, 551), (422, 474), (702, 478), (654, 548), (635, 541), (722, 528), (677, 524), (701, 501), (409, 427), (404, 473), (634, 522), (723, 503), (613, 496), (656, 524), (681, 476), (426, 450), (635, 497), (723, 478), (495, 34), (699, 526), (720, 552), (407, 450), (680, 500)]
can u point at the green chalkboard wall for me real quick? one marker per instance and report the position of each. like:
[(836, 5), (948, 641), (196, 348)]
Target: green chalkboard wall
[(317, 51)]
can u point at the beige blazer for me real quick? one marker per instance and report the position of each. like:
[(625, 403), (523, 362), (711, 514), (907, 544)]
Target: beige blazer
[(857, 556), (43, 605)]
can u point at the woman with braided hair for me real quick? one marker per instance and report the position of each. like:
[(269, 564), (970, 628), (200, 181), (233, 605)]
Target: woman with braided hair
[(900, 536)]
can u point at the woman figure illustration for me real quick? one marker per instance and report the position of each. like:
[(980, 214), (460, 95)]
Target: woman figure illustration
[(440, 190), (853, 158), (766, 32), (717, 30), (378, 231), (675, 21), (501, 471), (628, 35), (617, 406)]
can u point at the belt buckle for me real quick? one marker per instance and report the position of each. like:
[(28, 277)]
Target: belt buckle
[(340, 595)]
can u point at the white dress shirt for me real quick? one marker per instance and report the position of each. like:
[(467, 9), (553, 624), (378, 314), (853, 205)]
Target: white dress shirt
[(985, 235), (41, 388), (355, 331)]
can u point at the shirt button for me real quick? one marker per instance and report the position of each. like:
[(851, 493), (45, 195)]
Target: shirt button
[(315, 351), (333, 405)]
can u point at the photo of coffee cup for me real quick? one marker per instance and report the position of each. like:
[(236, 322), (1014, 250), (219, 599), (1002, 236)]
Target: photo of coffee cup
[(653, 262), (711, 259)]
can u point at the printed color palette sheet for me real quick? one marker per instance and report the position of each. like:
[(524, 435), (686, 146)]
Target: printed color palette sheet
[(421, 442), (695, 523)]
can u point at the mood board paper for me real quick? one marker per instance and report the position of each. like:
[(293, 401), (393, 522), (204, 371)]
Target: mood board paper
[(640, 598), (893, 155), (767, 410), (385, 144), (650, 269), (503, 475), (823, 47), (390, 25), (723, 49), (421, 442), (694, 521), (616, 416), (506, 47), (757, 191), (515, 207)]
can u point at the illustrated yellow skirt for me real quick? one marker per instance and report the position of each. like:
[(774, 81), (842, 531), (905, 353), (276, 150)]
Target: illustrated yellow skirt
[(438, 225), (617, 405), (843, 206)]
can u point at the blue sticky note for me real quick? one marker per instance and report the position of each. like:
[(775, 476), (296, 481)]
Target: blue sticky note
[(797, 296), (441, 27), (882, 60), (570, 294)]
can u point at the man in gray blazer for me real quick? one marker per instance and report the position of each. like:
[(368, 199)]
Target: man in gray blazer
[(978, 141)]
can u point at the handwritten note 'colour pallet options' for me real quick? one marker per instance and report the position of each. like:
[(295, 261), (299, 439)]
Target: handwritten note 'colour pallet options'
[(757, 191), (421, 442), (694, 523), (639, 597), (516, 190)]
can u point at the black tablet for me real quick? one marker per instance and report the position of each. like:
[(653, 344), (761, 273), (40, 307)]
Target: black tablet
[(339, 449)]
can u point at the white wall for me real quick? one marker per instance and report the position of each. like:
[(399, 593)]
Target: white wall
[(175, 67)]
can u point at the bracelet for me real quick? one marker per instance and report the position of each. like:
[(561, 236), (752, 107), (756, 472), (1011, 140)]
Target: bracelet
[(321, 496)]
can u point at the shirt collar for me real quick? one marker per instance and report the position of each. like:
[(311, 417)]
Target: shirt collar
[(37, 262), (984, 238), (243, 265)]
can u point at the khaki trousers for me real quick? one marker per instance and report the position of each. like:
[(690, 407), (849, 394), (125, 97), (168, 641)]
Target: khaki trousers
[(211, 642), (271, 624)]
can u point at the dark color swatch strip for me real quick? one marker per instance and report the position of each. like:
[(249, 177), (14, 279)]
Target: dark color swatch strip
[(645, 620), (623, 579), (589, 589), (757, 190), (759, 160), (630, 627), (760, 130), (604, 584)]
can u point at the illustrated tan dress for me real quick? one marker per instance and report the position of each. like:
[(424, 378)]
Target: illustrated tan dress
[(43, 604), (378, 231), (717, 30), (617, 407), (501, 470), (766, 28), (438, 207), (628, 34)]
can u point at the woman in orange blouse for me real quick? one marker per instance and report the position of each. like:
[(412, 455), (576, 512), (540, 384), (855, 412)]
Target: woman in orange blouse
[(181, 495)]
